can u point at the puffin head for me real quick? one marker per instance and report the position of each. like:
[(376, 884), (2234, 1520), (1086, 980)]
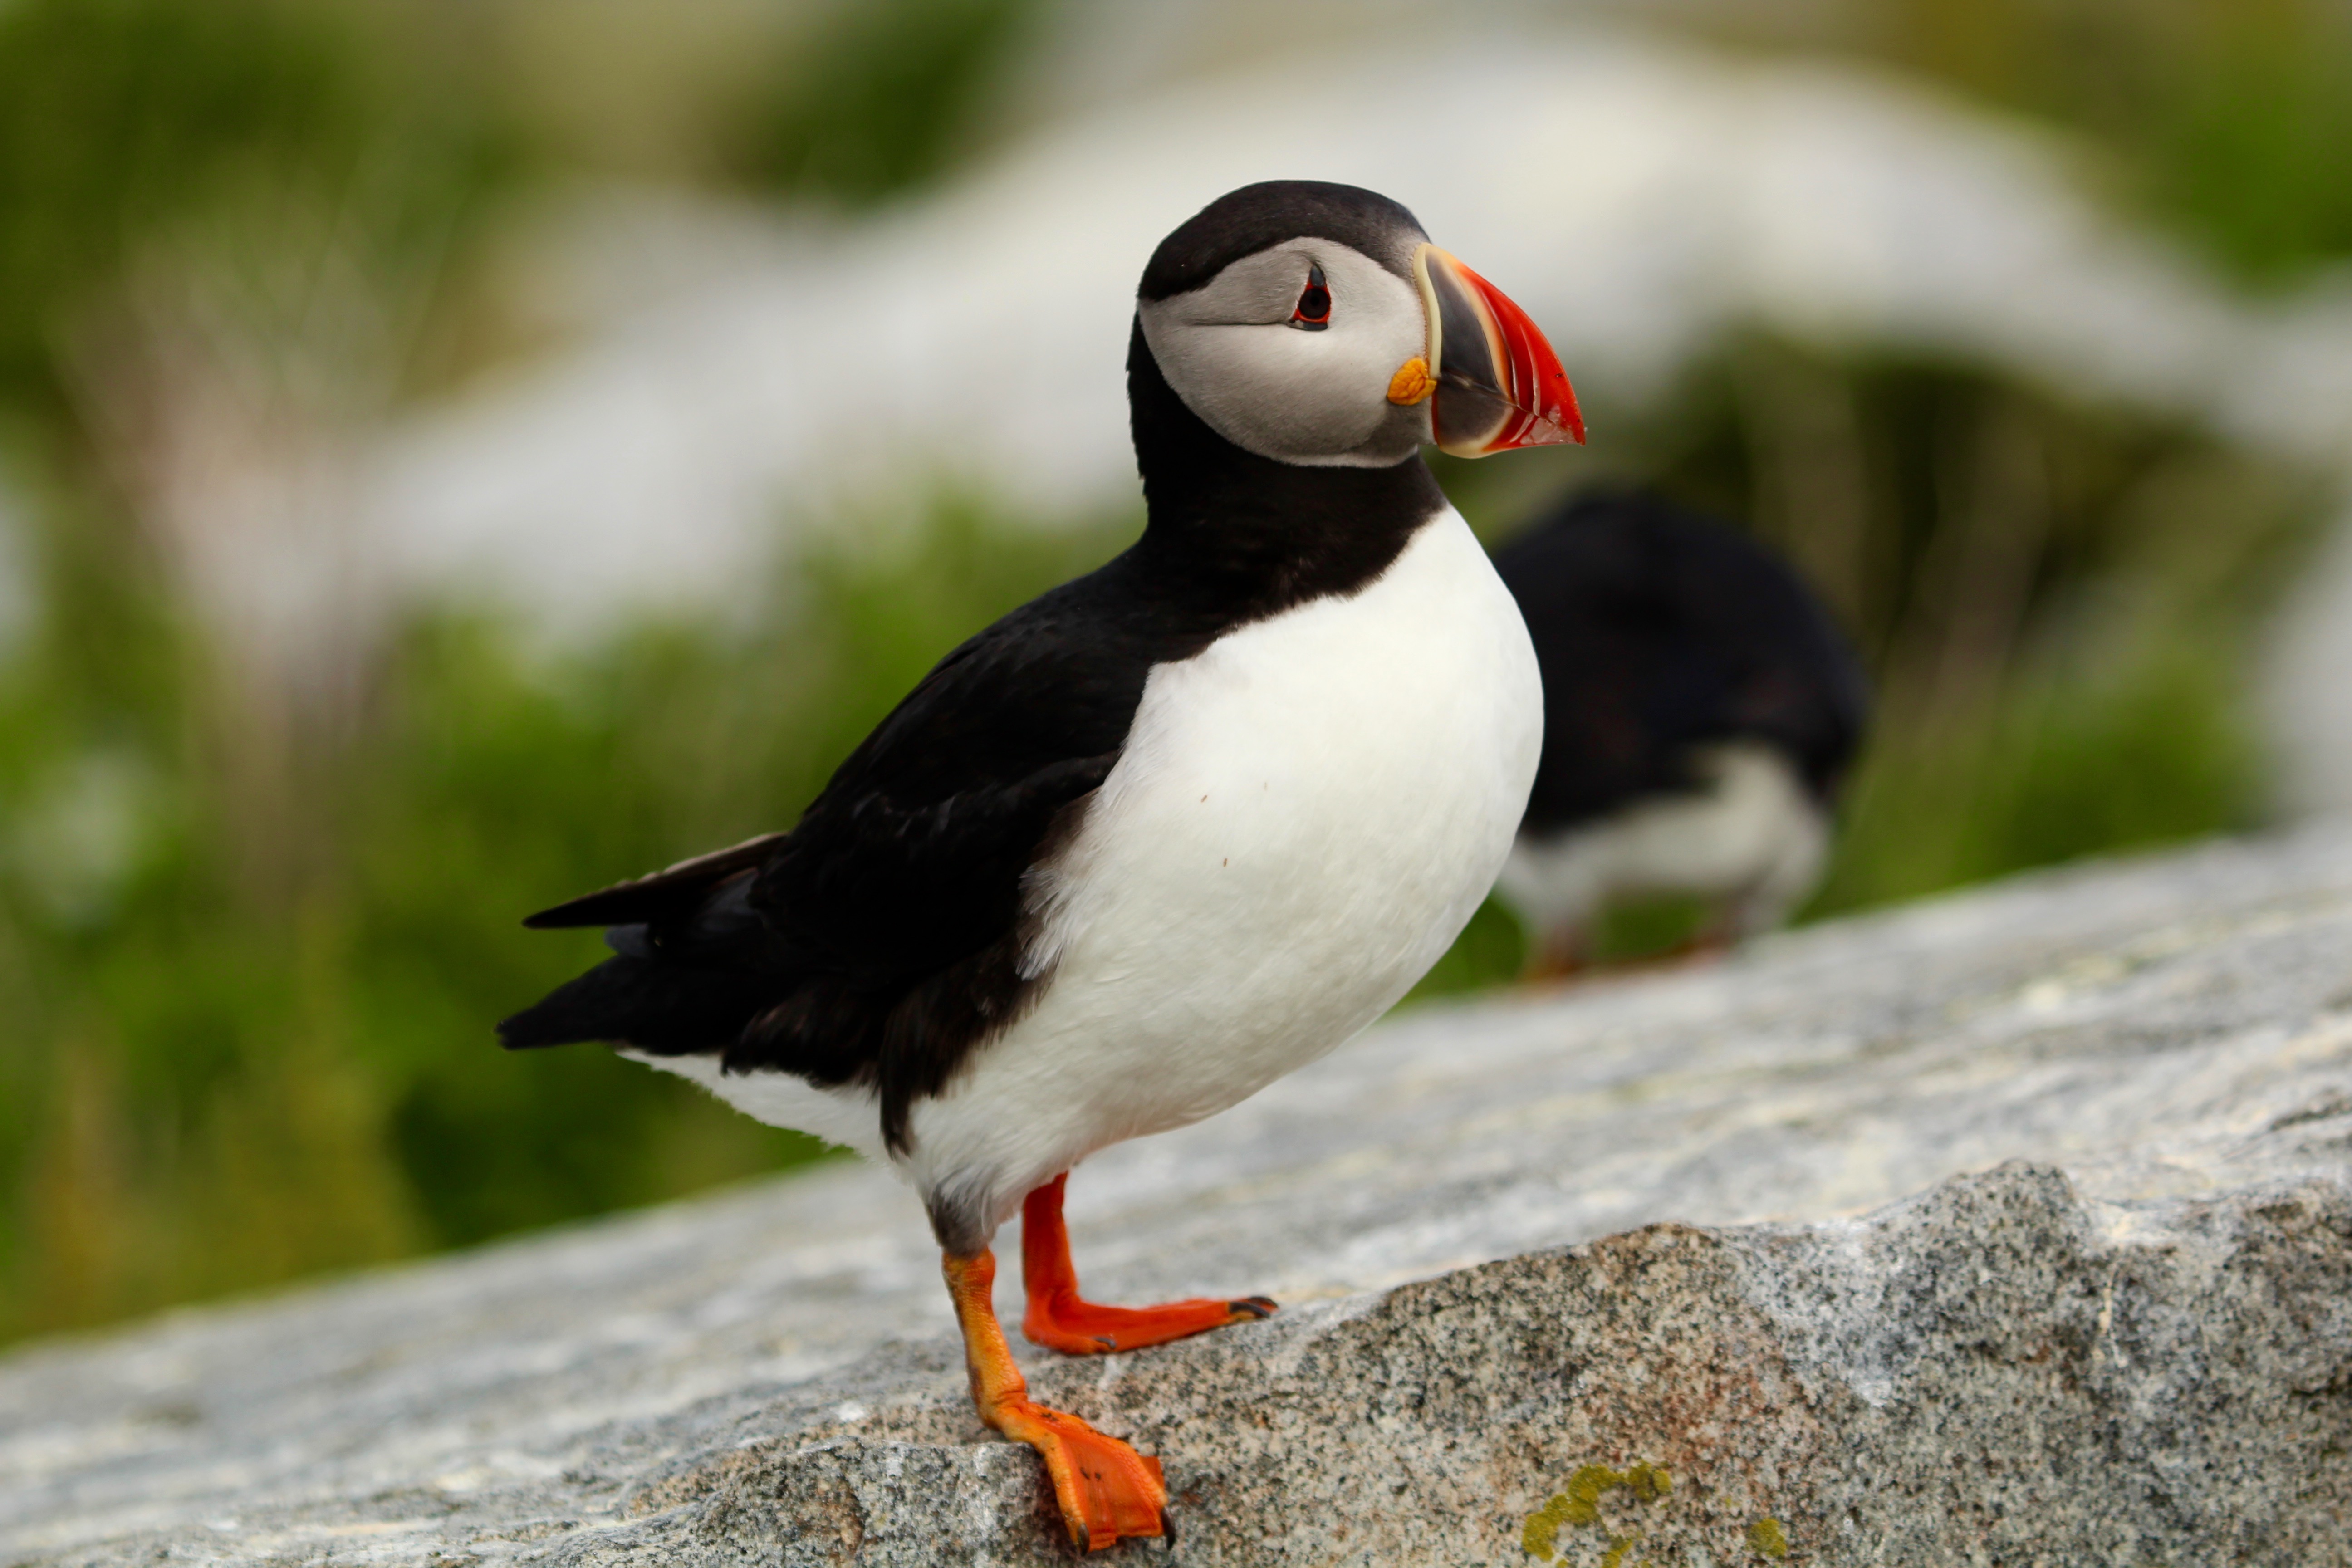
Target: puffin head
[(1314, 325)]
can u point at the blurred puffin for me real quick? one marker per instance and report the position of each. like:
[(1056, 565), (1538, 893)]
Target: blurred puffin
[(1164, 834), (1701, 709)]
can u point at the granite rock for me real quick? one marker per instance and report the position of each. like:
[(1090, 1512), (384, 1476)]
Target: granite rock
[(2011, 1228)]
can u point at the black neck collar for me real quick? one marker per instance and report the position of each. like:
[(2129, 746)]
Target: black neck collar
[(1255, 535)]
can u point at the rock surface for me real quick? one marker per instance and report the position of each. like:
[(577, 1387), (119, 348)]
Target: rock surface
[(1620, 1275)]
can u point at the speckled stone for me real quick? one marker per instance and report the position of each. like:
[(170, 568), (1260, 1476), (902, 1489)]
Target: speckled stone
[(1624, 1275), (1996, 1370)]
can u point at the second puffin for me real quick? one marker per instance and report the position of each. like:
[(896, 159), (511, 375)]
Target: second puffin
[(1164, 834)]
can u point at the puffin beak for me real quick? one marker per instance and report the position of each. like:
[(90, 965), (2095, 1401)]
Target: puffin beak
[(1497, 383)]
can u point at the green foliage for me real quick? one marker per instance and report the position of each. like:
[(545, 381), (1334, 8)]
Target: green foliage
[(1488, 952), (251, 944), (123, 121), (883, 98), (2063, 764), (116, 114), (215, 1081), (2229, 118), (2251, 154)]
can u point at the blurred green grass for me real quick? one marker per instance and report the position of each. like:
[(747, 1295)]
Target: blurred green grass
[(250, 950), (219, 1079), (2225, 120)]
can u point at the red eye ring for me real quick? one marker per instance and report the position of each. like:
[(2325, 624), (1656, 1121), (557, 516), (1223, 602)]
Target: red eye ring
[(1313, 311)]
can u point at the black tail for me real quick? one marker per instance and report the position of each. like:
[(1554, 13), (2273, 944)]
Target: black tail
[(696, 963), (666, 1008)]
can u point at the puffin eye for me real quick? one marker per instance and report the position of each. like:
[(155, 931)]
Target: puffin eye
[(1313, 312)]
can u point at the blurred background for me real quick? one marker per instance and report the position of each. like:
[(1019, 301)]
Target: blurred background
[(455, 455)]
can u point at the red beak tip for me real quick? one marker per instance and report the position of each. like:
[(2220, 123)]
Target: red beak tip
[(1569, 419)]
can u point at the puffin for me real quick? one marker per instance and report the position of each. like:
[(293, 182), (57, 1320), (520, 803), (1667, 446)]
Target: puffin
[(1169, 831), (1701, 712)]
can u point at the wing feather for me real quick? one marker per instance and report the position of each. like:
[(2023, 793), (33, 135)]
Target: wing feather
[(666, 894)]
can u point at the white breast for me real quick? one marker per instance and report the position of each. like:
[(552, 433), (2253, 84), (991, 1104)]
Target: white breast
[(1305, 816)]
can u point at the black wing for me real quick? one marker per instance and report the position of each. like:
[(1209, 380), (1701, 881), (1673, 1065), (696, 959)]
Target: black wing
[(1658, 630), (666, 895), (880, 940)]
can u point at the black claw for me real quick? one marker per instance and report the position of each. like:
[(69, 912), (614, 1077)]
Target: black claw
[(1255, 1306), (1168, 1528)]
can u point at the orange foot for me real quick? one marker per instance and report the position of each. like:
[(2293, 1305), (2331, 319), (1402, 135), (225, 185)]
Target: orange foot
[(1060, 1319), (1555, 958), (1106, 1490), (1701, 947)]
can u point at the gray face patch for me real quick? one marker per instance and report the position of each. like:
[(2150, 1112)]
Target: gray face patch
[(1315, 398)]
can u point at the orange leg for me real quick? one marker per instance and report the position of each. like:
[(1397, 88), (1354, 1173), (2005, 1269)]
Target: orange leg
[(1107, 1490), (1702, 947), (1060, 1320), (1554, 956)]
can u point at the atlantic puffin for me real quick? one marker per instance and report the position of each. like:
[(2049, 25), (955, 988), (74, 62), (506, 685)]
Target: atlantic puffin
[(1167, 832), (1701, 710)]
